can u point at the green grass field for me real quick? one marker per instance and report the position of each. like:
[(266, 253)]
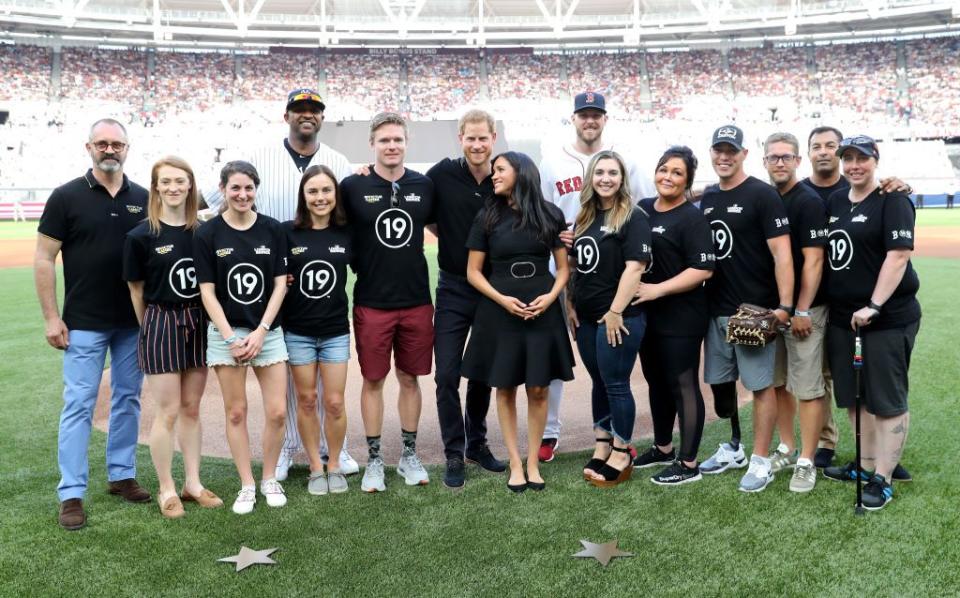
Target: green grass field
[(702, 539)]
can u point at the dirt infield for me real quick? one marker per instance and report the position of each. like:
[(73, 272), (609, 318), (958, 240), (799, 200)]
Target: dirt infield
[(575, 413)]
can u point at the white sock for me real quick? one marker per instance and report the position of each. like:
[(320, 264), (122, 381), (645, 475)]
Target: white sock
[(804, 462), (783, 448)]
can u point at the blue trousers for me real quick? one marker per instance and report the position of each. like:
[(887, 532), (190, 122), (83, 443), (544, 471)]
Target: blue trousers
[(82, 369), (614, 409)]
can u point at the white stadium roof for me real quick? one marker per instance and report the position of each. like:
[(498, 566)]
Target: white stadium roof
[(468, 23)]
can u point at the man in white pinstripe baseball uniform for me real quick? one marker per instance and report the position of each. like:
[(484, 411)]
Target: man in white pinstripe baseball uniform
[(280, 166)]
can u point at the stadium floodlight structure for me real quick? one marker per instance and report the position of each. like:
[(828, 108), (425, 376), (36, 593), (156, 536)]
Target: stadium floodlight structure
[(465, 23)]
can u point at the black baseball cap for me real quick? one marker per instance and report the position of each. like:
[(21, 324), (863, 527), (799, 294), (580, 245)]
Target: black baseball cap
[(863, 144), (589, 100), (731, 134), (305, 94)]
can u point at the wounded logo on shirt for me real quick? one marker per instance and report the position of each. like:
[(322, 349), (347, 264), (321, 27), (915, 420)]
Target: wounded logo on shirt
[(412, 197), (297, 250), (224, 252), (337, 249), (735, 209), (860, 218), (371, 198), (262, 250), (658, 229), (134, 209), (707, 210), (164, 249)]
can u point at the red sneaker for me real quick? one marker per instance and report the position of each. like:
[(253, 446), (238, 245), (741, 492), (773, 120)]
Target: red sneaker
[(548, 448)]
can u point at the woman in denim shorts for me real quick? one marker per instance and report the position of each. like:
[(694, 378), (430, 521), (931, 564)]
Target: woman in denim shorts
[(240, 257), (315, 318)]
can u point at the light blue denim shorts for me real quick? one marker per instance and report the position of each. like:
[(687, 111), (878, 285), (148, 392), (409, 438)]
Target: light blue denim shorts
[(305, 350), (218, 353)]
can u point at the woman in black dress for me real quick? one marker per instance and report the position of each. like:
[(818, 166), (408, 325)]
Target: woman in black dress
[(518, 336)]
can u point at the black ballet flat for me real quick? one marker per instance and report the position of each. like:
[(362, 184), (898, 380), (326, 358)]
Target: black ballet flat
[(537, 486), (595, 464), (517, 488)]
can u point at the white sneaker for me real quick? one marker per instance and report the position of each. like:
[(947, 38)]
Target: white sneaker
[(758, 476), (283, 465), (348, 465), (273, 492), (246, 498), (725, 458), (412, 470), (373, 476)]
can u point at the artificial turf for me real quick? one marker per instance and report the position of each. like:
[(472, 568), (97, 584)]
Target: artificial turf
[(701, 539)]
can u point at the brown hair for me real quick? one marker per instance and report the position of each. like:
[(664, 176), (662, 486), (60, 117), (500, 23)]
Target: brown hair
[(590, 202), (303, 218), (154, 203), (388, 118), (477, 116)]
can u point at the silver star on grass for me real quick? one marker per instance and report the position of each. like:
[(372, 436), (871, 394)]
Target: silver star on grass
[(248, 557), (602, 552)]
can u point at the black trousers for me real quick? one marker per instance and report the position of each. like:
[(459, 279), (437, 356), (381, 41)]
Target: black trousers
[(456, 305)]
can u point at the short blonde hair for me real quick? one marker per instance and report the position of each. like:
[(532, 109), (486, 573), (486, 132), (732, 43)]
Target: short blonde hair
[(477, 116)]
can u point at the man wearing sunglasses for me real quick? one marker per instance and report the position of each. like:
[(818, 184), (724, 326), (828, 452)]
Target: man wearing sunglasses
[(86, 220), (392, 309)]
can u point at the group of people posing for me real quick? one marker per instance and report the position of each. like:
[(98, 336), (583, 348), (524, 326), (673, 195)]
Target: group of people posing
[(584, 243)]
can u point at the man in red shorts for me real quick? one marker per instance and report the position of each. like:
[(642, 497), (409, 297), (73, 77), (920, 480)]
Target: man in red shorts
[(392, 310)]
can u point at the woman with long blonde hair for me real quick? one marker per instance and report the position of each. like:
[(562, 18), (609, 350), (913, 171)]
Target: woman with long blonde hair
[(611, 249), (158, 267)]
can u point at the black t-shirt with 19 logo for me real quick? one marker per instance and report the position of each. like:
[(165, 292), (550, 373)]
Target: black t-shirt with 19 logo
[(859, 239), (164, 261), (601, 258), (387, 221), (242, 264), (742, 220), (316, 303)]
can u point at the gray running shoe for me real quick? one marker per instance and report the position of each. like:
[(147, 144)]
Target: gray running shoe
[(781, 458), (373, 479), (804, 478), (337, 482), (725, 458), (412, 470), (317, 484), (758, 476)]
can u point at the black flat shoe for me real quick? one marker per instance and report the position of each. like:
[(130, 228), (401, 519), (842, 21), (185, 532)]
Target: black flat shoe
[(517, 488), (537, 486)]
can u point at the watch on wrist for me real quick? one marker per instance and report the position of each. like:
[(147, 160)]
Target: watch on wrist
[(786, 308), (802, 313), (875, 307), (265, 326)]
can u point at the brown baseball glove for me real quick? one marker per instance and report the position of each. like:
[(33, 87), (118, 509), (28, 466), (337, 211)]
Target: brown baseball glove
[(752, 325)]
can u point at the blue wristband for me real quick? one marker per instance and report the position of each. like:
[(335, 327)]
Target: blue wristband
[(230, 341)]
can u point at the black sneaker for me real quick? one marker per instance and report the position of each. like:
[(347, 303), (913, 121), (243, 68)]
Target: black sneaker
[(454, 476), (654, 456), (485, 459), (877, 493), (677, 473), (845, 473), (900, 474), (823, 458)]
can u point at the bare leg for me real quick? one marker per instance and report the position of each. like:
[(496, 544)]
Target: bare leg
[(891, 437), (273, 386), (192, 383), (308, 423), (786, 412), (811, 423), (409, 402), (334, 377), (166, 390), (371, 406), (764, 419), (536, 422), (233, 385), (507, 414)]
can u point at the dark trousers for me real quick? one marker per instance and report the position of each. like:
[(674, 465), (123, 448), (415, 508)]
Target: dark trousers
[(456, 305)]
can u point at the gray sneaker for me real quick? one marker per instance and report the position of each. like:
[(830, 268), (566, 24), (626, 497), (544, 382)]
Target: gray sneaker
[(337, 482), (758, 476), (412, 470), (804, 478), (317, 484), (781, 458), (725, 458), (373, 476)]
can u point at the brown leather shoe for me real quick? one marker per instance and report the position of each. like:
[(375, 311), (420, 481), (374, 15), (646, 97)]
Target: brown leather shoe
[(207, 499), (71, 514), (172, 508), (129, 490)]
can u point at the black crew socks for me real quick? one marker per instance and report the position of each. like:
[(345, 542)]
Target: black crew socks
[(409, 441), (373, 447)]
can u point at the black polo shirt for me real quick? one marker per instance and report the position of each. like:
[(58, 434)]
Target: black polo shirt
[(92, 227), (459, 197)]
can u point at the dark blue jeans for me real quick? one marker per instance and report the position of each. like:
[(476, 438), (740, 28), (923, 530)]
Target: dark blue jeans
[(610, 367)]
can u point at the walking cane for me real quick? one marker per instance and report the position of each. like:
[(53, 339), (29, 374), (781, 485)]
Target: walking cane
[(857, 366)]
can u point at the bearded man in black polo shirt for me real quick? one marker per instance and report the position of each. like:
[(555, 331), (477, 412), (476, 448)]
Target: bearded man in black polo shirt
[(87, 220)]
